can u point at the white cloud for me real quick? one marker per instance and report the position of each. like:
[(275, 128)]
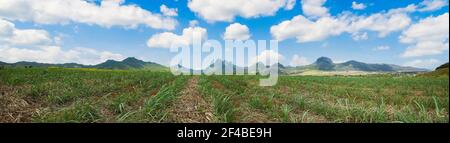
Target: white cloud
[(431, 5), (37, 45), (309, 30), (429, 63), (382, 48), (358, 36), (106, 14), (54, 54), (299, 61), (425, 48), (167, 39), (168, 11), (314, 8), (237, 31), (290, 4), (383, 23), (427, 37), (358, 6), (305, 30), (6, 28), (27, 37), (227, 10), (11, 35), (267, 57)]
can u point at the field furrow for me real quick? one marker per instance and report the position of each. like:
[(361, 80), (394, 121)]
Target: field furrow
[(190, 107)]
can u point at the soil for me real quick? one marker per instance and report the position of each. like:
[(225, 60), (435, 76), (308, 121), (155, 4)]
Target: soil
[(13, 108), (190, 107)]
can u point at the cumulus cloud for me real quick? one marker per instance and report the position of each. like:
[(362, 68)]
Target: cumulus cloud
[(358, 6), (167, 39), (429, 63), (299, 61), (383, 23), (427, 37), (290, 4), (168, 11), (237, 31), (357, 36), (227, 10), (11, 35), (55, 54), (37, 45), (305, 30), (268, 57), (308, 30), (106, 14), (431, 5), (314, 8)]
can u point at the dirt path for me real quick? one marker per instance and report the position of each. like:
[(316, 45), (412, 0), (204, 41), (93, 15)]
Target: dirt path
[(190, 107)]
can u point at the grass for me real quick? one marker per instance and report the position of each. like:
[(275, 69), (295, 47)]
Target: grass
[(91, 95), (155, 106), (80, 112), (437, 73), (224, 110), (59, 93)]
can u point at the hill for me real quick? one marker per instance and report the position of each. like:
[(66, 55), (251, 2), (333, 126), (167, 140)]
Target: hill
[(3, 63), (127, 64), (24, 64), (439, 71), (130, 63), (221, 66), (443, 66), (321, 65), (327, 65)]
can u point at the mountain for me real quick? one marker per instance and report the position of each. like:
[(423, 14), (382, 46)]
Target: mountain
[(126, 64), (3, 63), (261, 67), (446, 65), (41, 65), (130, 63), (223, 66), (219, 66), (323, 64), (439, 71), (326, 64), (360, 66)]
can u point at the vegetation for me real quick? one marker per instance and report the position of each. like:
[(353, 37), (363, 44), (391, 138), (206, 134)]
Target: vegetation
[(325, 64), (95, 95), (441, 71), (130, 63), (446, 65)]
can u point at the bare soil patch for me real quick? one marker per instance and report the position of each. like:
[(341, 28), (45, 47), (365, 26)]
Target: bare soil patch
[(14, 108), (190, 107)]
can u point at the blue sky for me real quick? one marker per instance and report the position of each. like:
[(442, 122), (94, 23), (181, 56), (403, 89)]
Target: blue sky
[(122, 37)]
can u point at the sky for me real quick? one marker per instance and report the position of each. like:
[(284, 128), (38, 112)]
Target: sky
[(403, 32)]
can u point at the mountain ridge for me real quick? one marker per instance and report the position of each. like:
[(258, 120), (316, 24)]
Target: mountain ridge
[(321, 64), (326, 64), (126, 64)]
